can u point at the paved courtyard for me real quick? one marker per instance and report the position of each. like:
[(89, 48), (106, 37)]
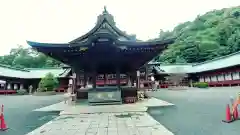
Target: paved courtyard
[(196, 112), (124, 119), (135, 123), (19, 115)]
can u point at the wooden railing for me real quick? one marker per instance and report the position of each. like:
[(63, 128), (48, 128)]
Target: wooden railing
[(224, 83)]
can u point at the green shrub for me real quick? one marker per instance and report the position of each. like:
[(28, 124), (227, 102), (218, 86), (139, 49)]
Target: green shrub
[(21, 92), (201, 84), (48, 83)]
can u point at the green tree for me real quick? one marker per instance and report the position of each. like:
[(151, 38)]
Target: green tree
[(214, 34), (28, 58), (48, 83)]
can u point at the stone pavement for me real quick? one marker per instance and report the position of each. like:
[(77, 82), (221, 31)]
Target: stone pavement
[(125, 119), (154, 102), (54, 107), (78, 109), (138, 123), (139, 106)]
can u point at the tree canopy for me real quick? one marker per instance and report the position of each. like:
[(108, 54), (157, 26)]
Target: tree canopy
[(48, 83), (214, 34), (27, 58)]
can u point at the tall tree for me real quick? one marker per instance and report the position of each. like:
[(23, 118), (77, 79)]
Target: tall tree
[(27, 58), (211, 35)]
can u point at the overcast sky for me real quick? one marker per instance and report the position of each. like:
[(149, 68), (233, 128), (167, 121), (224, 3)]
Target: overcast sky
[(60, 21)]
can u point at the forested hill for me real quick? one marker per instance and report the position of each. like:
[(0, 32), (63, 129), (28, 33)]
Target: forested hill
[(214, 34), (21, 57)]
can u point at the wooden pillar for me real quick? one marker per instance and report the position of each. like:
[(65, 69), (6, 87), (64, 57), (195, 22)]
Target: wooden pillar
[(231, 75), (85, 79), (77, 80), (94, 76), (146, 72), (133, 77), (6, 83), (105, 79), (118, 77)]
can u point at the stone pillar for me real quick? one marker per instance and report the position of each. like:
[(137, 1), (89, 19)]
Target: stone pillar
[(138, 79), (30, 89), (74, 82)]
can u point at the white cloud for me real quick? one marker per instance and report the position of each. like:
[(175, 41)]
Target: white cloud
[(60, 21)]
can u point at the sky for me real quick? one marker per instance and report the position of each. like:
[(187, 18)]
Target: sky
[(60, 21)]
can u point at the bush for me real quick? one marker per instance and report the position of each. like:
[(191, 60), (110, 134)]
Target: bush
[(21, 92), (48, 83), (201, 84)]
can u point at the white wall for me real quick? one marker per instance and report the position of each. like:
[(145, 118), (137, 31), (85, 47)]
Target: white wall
[(207, 79), (228, 76), (214, 78), (220, 77), (201, 79), (235, 75)]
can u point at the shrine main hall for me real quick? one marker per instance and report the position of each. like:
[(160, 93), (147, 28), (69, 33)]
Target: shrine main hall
[(104, 51)]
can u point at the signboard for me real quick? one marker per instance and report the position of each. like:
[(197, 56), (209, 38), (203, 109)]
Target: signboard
[(70, 81), (101, 96), (138, 73)]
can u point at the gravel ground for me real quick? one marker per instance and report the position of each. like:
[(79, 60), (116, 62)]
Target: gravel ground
[(197, 111), (19, 115)]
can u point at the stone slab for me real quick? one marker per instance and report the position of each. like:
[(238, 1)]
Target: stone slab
[(132, 123), (104, 109), (154, 102), (55, 107), (84, 108)]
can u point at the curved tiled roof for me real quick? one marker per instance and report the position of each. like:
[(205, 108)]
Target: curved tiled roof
[(217, 63), (32, 73)]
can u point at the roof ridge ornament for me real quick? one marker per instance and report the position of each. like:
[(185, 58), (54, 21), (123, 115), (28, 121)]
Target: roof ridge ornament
[(105, 10)]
